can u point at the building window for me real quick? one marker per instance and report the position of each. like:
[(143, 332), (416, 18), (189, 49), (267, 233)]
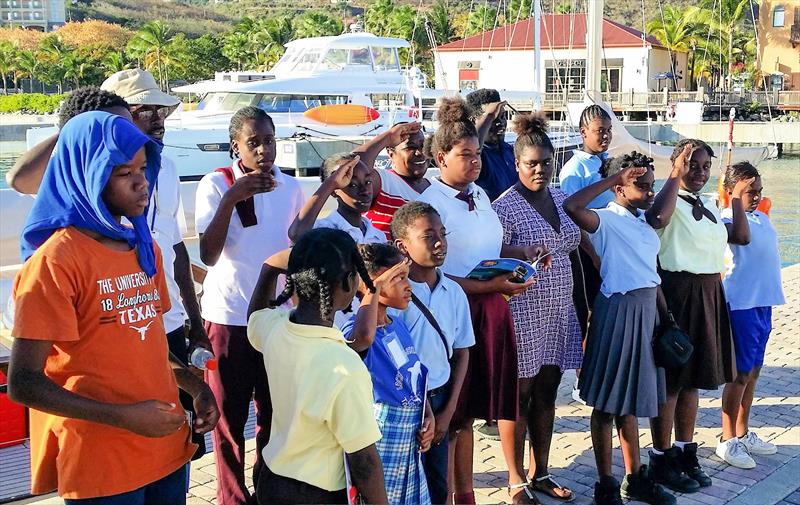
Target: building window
[(777, 16), (571, 78), (37, 15)]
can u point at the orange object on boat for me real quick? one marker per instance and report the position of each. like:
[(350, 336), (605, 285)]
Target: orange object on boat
[(342, 114)]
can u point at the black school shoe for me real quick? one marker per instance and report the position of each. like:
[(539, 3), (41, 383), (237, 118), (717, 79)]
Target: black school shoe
[(666, 469), (606, 492), (640, 486), (691, 466)]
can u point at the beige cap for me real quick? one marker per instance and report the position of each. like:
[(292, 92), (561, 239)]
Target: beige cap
[(138, 87)]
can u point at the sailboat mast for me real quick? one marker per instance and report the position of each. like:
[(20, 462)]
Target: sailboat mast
[(537, 46), (594, 44)]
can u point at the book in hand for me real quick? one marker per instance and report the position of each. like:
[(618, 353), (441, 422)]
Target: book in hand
[(489, 269)]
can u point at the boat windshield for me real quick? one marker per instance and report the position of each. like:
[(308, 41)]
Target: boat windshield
[(222, 102), (308, 59)]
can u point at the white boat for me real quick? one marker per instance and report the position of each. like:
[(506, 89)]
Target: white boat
[(353, 68)]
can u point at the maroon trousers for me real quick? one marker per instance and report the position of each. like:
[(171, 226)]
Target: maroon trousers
[(239, 378)]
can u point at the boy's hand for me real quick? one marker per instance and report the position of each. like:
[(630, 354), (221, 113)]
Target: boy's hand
[(151, 418), (385, 281), (344, 174), (426, 433), (536, 251), (206, 411), (402, 132), (251, 184), (494, 109), (504, 284), (442, 426), (741, 187)]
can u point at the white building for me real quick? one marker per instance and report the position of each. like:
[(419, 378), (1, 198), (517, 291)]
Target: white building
[(42, 15), (504, 59)]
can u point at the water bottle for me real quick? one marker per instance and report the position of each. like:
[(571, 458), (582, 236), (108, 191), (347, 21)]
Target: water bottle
[(203, 359)]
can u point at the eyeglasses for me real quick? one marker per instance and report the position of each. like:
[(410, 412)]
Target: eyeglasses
[(147, 113)]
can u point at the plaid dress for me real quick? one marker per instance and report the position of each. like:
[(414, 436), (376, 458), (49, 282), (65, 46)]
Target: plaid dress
[(399, 452), (545, 321)]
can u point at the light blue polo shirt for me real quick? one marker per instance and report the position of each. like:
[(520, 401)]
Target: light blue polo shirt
[(582, 170), (628, 248), (448, 304)]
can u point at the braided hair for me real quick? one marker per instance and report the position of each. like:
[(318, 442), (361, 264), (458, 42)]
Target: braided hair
[(737, 172), (531, 130), (613, 166), (591, 113), (455, 123), (322, 259), (695, 143), (379, 256), (246, 114), (86, 99)]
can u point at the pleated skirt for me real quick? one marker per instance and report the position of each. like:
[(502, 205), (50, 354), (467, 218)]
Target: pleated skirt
[(619, 375), (697, 301)]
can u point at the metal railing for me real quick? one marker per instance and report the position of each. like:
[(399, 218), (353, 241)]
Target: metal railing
[(658, 99)]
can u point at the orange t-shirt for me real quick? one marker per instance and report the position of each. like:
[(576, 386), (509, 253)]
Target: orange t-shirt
[(103, 315)]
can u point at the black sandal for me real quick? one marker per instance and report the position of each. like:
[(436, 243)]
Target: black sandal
[(526, 497), (547, 484)]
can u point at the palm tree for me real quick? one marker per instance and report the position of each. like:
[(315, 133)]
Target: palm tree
[(55, 54), (76, 68), (114, 61), (675, 29), (236, 47), (564, 8), (316, 24), (481, 20), (27, 65), (7, 53), (148, 45), (519, 9), (728, 16), (376, 17), (439, 17)]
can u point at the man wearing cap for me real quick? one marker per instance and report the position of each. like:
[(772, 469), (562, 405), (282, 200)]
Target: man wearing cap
[(150, 107)]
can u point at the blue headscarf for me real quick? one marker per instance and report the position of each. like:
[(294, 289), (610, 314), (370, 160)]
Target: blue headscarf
[(71, 194)]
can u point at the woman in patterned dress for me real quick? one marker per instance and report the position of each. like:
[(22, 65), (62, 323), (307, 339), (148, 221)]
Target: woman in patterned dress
[(545, 321)]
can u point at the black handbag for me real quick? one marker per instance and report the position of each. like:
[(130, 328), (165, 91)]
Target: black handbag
[(671, 345)]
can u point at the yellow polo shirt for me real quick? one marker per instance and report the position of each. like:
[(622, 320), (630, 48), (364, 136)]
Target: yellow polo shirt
[(688, 245), (321, 399)]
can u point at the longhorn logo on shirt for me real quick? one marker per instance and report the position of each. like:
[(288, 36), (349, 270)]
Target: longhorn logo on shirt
[(142, 330)]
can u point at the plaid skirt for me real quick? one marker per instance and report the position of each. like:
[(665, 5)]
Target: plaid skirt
[(399, 452)]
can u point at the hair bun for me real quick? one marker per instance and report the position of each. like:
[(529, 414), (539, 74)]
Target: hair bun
[(528, 124), (454, 110)]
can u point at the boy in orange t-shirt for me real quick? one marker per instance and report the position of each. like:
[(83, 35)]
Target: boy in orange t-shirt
[(90, 354)]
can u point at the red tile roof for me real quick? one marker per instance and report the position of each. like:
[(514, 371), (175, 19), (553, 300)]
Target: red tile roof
[(558, 31)]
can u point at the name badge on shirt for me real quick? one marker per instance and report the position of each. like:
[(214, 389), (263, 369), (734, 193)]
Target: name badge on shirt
[(396, 351)]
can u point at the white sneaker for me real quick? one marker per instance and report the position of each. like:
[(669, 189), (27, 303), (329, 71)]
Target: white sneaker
[(755, 445), (576, 393), (735, 454)]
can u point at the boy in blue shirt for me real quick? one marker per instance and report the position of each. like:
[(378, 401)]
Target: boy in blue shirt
[(439, 322)]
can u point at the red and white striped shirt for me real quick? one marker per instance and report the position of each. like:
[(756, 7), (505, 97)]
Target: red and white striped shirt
[(395, 192)]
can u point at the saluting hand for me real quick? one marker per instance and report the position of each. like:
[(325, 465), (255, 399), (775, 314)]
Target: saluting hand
[(401, 132), (344, 174), (741, 187), (680, 166), (629, 175), (494, 109)]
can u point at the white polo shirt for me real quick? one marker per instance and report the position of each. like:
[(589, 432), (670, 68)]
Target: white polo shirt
[(628, 248), (371, 235), (165, 217), (229, 284), (448, 304), (753, 278), (472, 236)]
